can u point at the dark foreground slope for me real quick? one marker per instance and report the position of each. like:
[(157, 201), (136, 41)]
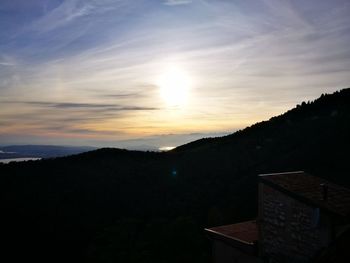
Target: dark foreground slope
[(115, 205)]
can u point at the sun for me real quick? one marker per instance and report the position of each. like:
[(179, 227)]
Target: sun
[(174, 86)]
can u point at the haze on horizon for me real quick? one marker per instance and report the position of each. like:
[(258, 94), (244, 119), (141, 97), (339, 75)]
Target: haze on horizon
[(99, 72)]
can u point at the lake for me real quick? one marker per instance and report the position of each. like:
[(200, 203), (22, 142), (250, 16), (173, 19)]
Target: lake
[(18, 159)]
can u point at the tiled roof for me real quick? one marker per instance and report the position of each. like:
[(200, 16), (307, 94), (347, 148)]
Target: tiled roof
[(308, 188), (246, 232)]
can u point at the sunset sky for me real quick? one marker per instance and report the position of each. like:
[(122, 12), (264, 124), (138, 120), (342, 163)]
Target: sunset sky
[(125, 73)]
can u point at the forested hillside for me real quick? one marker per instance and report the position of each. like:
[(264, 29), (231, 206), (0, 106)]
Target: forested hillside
[(113, 205)]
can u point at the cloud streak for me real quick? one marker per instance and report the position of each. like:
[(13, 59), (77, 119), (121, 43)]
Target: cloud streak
[(71, 105), (177, 2), (65, 13)]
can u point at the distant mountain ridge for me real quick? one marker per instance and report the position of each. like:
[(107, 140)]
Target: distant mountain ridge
[(41, 151), (113, 205)]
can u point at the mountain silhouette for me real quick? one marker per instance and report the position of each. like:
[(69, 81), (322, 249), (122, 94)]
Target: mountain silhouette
[(40, 151), (114, 205)]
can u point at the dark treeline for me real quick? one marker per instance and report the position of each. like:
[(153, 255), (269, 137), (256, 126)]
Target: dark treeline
[(113, 205)]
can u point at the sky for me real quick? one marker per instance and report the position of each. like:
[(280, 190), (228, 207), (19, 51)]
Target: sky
[(162, 73)]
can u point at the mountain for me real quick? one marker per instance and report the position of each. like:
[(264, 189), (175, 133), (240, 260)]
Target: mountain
[(113, 205), (40, 151)]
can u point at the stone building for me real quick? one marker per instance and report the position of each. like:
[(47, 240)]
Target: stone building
[(300, 218)]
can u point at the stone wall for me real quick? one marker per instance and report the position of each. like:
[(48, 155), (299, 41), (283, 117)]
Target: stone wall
[(290, 230)]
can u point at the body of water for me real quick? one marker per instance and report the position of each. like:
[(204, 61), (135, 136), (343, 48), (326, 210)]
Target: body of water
[(18, 159)]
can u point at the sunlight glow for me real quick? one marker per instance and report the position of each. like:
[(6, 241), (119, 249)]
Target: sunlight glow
[(174, 86), (166, 148)]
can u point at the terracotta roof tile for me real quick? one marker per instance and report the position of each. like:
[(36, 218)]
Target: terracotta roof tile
[(246, 232), (309, 189)]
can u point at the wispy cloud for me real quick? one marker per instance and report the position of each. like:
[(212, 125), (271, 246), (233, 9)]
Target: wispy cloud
[(71, 105), (177, 2), (65, 13)]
